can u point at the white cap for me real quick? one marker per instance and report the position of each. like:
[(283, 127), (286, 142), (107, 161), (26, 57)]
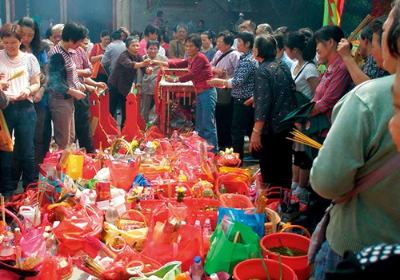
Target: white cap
[(214, 276), (241, 15), (197, 223), (149, 144)]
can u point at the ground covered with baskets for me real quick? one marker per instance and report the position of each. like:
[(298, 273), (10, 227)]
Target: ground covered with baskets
[(147, 209)]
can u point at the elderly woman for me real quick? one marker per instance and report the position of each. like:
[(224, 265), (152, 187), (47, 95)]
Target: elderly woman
[(20, 114), (273, 101)]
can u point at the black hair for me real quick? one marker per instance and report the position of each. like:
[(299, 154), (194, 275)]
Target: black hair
[(329, 32), (283, 29), (153, 43), (179, 26), (202, 21), (376, 26), (150, 29), (306, 32), (279, 37), (228, 37), (130, 40), (36, 43), (195, 39), (48, 32), (159, 13), (104, 33), (366, 33), (209, 34), (394, 32), (116, 35), (73, 31), (247, 36), (266, 46), (164, 35), (305, 45)]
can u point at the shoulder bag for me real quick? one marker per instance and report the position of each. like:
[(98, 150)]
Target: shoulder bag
[(223, 94)]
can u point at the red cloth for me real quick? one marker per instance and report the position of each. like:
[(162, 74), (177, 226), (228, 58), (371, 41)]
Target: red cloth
[(199, 71)]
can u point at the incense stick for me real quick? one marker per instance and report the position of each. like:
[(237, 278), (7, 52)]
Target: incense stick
[(16, 75), (3, 211), (359, 27)]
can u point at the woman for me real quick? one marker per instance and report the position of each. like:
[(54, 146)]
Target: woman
[(301, 50), (124, 74), (242, 85), (199, 73), (95, 57), (147, 83), (31, 43), (273, 101), (164, 40), (20, 114)]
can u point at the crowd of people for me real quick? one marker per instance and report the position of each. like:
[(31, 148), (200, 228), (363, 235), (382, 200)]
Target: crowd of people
[(245, 85)]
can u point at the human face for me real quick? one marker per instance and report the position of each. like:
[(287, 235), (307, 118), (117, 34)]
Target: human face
[(259, 31), (323, 49), (76, 45), (133, 48), (152, 50), (191, 49), (377, 50), (291, 53), (123, 36), (56, 36), (255, 53), (205, 42), (27, 35), (389, 61), (363, 48), (105, 40), (245, 26), (85, 43), (181, 34), (242, 47), (153, 36), (222, 46), (11, 46)]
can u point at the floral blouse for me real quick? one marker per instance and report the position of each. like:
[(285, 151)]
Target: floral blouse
[(273, 97)]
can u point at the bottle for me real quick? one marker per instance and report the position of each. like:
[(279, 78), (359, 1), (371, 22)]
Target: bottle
[(6, 248), (17, 236), (197, 224), (222, 189), (10, 235), (149, 149), (111, 214), (214, 276), (207, 227), (196, 270), (148, 159)]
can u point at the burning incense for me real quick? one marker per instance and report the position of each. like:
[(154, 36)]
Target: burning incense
[(16, 75), (365, 21)]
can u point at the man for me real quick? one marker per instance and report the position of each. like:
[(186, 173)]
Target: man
[(113, 50), (264, 28), (370, 69), (56, 32), (206, 45), (240, 21), (247, 25), (176, 47), (376, 26), (150, 33), (159, 21), (64, 84)]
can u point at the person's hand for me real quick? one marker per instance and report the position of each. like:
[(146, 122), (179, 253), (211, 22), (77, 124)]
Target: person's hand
[(298, 126), (146, 62), (139, 91), (218, 72), (2, 76), (101, 85), (344, 48), (78, 94), (90, 89), (38, 95), (25, 93), (149, 70), (81, 87), (125, 30), (215, 82), (169, 79), (4, 84), (249, 102), (255, 141)]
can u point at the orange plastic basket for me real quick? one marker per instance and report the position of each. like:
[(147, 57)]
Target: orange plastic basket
[(234, 183), (202, 209)]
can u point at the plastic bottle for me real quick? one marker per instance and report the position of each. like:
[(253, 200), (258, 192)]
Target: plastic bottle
[(10, 235), (6, 248), (222, 189), (214, 276), (197, 224), (207, 227), (111, 214), (196, 270), (149, 149), (148, 159), (17, 236)]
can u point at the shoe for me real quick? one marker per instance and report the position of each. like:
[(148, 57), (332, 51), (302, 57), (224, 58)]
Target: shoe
[(246, 139), (294, 186), (250, 159), (301, 194)]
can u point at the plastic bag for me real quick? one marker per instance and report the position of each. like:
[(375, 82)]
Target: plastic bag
[(90, 167), (74, 166), (122, 173)]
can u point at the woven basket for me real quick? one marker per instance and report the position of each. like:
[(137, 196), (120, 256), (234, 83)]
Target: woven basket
[(274, 220)]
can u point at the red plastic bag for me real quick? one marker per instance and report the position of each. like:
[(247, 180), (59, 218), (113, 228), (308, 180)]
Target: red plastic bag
[(90, 167), (122, 173), (76, 224)]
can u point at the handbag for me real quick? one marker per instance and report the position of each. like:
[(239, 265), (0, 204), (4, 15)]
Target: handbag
[(223, 94), (318, 237), (97, 64)]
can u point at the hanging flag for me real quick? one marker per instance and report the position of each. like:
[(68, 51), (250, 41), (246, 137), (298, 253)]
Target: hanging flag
[(333, 12)]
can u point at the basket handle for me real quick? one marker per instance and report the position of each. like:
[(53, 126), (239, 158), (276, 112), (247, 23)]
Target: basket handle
[(128, 146), (289, 226), (135, 211)]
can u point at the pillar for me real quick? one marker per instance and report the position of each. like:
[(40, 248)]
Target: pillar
[(8, 11), (122, 13), (63, 11)]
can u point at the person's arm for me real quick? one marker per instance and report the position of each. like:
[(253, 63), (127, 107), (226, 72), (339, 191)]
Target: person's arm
[(92, 56), (196, 70), (357, 75), (350, 134), (263, 95), (87, 65), (106, 59)]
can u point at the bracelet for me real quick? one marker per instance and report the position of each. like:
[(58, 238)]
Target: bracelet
[(30, 91), (256, 130)]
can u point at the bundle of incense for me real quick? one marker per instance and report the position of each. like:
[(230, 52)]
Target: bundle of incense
[(92, 265), (365, 21), (16, 75), (261, 204), (304, 139), (99, 247), (3, 211)]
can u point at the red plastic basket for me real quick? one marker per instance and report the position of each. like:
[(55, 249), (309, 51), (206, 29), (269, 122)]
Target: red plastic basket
[(235, 201), (167, 191), (234, 183), (202, 209)]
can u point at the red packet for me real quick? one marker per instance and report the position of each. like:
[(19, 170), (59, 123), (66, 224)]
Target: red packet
[(103, 190)]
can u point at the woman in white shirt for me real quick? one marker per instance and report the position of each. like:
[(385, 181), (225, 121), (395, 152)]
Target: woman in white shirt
[(299, 48), (20, 114)]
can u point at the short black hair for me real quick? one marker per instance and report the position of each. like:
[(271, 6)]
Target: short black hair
[(104, 33), (305, 45), (150, 29), (376, 26), (266, 46), (73, 31), (279, 37), (130, 40), (329, 32), (164, 35), (48, 32), (228, 37), (247, 36), (195, 39), (153, 43), (202, 21), (306, 31), (159, 13), (209, 34), (366, 33), (116, 35)]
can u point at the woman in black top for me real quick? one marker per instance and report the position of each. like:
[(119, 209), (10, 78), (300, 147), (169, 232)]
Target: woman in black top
[(273, 101)]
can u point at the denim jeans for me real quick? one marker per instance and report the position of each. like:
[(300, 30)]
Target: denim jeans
[(205, 116), (21, 120), (326, 260)]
